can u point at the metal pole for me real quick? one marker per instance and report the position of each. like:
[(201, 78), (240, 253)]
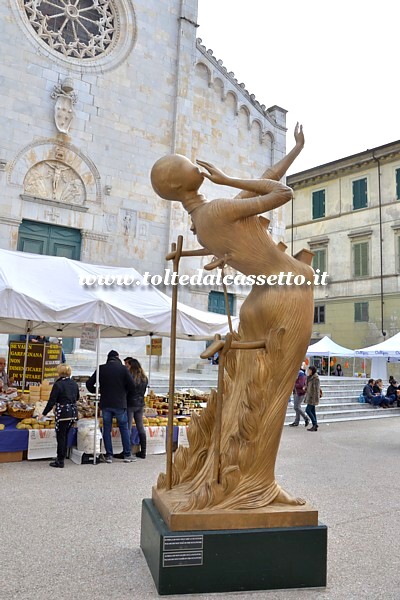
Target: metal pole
[(228, 310), (177, 249), (151, 350), (27, 332), (218, 417), (96, 401)]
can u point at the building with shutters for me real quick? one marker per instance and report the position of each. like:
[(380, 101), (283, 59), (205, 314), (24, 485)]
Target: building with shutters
[(93, 92), (348, 213)]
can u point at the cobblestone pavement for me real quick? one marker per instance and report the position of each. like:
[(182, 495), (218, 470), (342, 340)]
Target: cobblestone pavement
[(74, 533)]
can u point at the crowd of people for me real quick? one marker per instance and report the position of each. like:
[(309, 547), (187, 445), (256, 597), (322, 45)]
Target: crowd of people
[(122, 390), (307, 389)]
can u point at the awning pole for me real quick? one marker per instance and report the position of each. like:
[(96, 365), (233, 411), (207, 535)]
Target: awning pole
[(96, 401), (27, 332)]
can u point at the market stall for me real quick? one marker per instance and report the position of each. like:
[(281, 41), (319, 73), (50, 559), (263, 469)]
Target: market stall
[(45, 295), (326, 347), (380, 354)]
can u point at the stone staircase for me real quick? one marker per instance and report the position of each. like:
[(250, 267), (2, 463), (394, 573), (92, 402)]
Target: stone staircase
[(340, 403)]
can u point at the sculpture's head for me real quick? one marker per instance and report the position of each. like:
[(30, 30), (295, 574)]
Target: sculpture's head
[(173, 177)]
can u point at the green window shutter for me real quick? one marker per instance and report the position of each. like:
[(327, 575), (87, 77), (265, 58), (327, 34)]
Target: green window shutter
[(361, 259), (359, 193), (319, 260), (398, 253), (364, 259), (398, 184), (216, 303), (361, 312), (318, 204)]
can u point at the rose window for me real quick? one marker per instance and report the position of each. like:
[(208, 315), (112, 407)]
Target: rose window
[(80, 29)]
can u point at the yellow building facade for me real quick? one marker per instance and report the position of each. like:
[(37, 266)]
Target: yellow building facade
[(348, 213)]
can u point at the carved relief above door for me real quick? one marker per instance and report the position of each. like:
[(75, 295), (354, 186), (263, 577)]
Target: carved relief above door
[(57, 172), (54, 180)]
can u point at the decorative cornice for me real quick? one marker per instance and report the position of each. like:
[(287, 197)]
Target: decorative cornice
[(13, 221), (38, 200), (349, 164), (320, 241), (218, 64), (360, 233), (91, 235)]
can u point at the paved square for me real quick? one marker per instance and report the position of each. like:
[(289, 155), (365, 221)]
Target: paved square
[(74, 532)]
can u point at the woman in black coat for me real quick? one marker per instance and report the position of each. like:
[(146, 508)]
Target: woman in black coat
[(63, 398), (136, 402)]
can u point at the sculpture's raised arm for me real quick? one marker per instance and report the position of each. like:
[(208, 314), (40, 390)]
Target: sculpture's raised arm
[(276, 172), (262, 195)]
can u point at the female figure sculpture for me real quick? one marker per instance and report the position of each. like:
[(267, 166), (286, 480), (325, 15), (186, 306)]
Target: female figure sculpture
[(258, 382)]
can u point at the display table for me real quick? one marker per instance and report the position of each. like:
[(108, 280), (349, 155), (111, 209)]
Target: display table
[(16, 440), (13, 440)]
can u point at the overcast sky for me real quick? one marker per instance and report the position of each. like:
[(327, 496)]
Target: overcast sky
[(333, 66)]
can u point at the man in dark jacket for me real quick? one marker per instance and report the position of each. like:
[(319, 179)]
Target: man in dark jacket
[(372, 397), (116, 385)]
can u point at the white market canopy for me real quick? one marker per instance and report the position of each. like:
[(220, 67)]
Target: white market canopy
[(389, 348), (46, 290), (327, 347)]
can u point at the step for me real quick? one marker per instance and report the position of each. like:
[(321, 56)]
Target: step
[(354, 414), (333, 405), (358, 418)]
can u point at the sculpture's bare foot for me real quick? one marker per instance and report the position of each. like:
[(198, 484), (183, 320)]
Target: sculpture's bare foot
[(285, 498)]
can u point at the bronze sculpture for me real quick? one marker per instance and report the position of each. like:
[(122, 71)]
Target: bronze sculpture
[(229, 469)]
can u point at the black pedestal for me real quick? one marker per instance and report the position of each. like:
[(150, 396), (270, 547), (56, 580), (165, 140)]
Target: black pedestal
[(195, 562)]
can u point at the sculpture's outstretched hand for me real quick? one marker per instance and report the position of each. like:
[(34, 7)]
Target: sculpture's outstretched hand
[(299, 135), (215, 175)]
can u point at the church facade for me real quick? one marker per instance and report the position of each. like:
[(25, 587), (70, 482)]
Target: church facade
[(93, 93)]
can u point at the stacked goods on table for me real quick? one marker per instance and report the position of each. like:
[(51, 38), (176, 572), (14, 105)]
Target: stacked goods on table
[(34, 393), (45, 390), (186, 402), (20, 409), (26, 406), (152, 420), (86, 407), (39, 396), (34, 424)]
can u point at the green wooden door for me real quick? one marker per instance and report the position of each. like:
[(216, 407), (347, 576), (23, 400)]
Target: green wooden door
[(52, 240)]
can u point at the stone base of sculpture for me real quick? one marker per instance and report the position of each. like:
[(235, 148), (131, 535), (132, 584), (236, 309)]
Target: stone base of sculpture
[(274, 515), (232, 560)]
